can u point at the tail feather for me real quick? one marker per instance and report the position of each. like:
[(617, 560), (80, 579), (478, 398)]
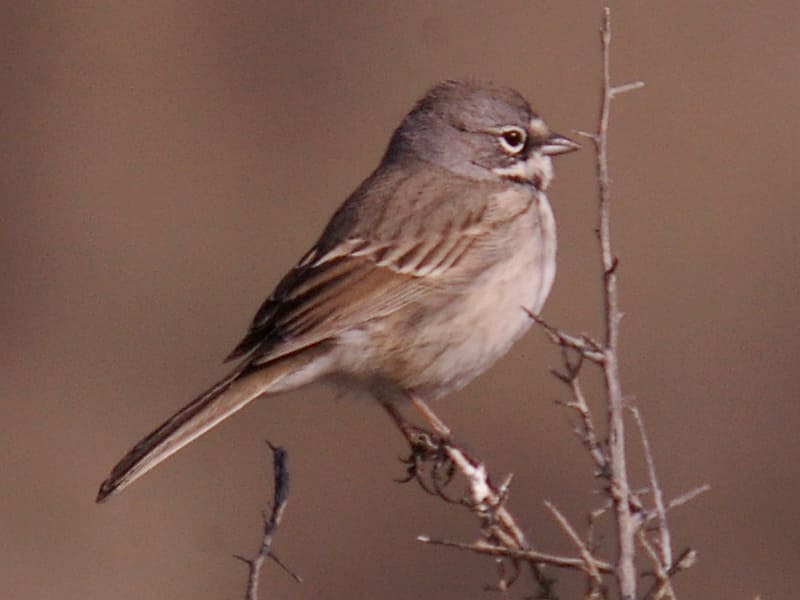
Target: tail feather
[(193, 420)]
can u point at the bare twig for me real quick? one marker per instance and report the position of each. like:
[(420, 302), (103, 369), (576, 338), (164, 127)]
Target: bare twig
[(486, 501), (590, 568), (481, 547), (620, 488), (498, 524), (664, 542), (625, 88), (586, 431), (585, 348), (610, 458), (584, 345), (662, 587), (279, 499), (687, 497), (662, 584)]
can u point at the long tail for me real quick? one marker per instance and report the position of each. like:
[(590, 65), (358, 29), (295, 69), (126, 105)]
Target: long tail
[(214, 405)]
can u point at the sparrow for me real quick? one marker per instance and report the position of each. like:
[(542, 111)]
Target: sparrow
[(422, 279)]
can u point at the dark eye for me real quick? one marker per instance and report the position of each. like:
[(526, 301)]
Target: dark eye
[(513, 139)]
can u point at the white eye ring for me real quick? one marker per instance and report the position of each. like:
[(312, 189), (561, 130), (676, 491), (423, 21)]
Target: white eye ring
[(512, 139)]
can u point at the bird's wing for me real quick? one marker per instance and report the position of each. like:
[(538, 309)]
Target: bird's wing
[(355, 281)]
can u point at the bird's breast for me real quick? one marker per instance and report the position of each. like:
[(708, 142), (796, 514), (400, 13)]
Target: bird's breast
[(441, 342), (473, 332)]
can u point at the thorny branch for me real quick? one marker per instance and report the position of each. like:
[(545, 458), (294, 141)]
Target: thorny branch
[(609, 455), (619, 487), (664, 543), (432, 463), (280, 497)]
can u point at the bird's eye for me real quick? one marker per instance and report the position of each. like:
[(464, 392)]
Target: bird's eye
[(513, 139)]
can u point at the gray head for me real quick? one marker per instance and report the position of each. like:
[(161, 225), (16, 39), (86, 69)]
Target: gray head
[(480, 131)]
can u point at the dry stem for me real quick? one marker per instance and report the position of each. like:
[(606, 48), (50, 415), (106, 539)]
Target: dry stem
[(279, 499), (620, 489)]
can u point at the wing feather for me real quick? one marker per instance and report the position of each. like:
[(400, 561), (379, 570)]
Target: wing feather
[(338, 291), (365, 267)]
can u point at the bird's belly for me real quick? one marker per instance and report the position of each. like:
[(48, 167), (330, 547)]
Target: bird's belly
[(444, 347), (483, 325)]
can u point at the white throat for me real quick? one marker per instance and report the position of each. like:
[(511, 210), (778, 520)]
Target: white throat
[(537, 169)]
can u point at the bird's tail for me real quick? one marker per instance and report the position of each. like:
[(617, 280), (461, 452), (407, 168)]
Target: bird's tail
[(214, 405)]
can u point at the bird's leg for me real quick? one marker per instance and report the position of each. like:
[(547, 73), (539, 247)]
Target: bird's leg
[(425, 446), (403, 424), (422, 441), (428, 462), (434, 421)]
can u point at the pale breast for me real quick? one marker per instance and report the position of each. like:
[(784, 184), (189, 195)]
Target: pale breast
[(481, 326), (440, 343)]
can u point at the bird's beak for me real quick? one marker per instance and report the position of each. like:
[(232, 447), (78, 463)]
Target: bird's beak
[(558, 144)]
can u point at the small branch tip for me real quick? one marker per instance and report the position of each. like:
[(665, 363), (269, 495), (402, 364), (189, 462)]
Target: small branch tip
[(618, 90)]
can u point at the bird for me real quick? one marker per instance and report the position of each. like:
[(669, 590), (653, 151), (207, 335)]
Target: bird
[(423, 278)]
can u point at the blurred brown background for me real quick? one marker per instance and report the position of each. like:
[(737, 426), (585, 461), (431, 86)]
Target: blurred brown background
[(163, 163)]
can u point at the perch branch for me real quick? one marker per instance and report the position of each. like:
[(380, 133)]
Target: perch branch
[(618, 469), (280, 498)]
